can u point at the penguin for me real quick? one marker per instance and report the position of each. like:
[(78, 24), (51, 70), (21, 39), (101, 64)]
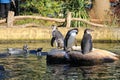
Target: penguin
[(39, 51), (70, 39), (13, 51), (86, 43), (25, 48), (57, 37)]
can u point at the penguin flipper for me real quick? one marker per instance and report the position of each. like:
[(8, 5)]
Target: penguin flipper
[(52, 41)]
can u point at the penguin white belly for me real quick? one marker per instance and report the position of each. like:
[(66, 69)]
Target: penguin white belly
[(56, 43), (60, 43), (71, 40)]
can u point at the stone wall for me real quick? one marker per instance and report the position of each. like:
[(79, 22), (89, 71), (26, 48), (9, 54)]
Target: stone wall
[(99, 34)]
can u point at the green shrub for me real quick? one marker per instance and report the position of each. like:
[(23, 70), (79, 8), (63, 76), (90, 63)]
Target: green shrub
[(56, 8), (42, 7)]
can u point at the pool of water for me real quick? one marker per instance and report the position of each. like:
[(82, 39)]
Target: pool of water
[(19, 67)]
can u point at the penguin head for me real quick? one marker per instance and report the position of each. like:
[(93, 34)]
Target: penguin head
[(39, 49), (54, 28), (88, 31), (75, 30), (25, 47)]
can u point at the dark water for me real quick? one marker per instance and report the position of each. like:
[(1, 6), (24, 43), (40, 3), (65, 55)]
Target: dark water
[(19, 67)]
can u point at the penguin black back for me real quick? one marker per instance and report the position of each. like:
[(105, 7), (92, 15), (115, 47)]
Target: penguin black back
[(58, 37), (86, 43), (70, 38)]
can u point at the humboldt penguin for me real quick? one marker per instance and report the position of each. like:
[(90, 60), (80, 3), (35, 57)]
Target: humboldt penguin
[(86, 43), (57, 37), (13, 51), (70, 39)]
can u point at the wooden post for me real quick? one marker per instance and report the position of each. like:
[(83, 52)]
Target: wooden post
[(10, 19), (68, 19)]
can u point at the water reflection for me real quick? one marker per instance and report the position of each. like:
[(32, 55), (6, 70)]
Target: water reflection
[(19, 67), (34, 67), (105, 71)]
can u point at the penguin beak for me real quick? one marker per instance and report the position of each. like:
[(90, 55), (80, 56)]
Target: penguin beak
[(39, 49), (89, 31)]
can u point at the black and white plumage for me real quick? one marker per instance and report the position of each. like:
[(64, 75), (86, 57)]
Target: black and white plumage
[(13, 51), (70, 39), (86, 43), (57, 37), (39, 50)]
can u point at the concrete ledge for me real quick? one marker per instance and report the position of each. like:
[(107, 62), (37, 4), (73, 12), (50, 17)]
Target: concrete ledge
[(36, 34)]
